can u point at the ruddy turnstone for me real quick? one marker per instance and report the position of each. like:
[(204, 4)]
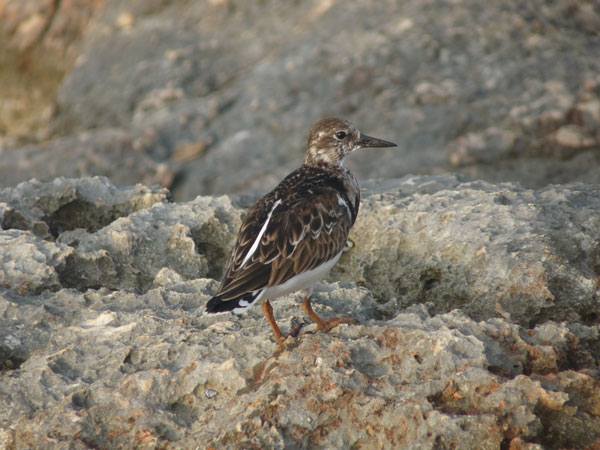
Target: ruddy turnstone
[(296, 233)]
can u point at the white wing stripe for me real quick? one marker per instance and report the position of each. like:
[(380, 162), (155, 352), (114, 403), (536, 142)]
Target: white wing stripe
[(260, 235), (343, 203)]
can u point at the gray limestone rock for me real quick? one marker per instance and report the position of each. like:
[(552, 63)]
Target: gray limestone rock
[(490, 250), (33, 213), (28, 264), (103, 343), (193, 239), (118, 238), (115, 369), (50, 208)]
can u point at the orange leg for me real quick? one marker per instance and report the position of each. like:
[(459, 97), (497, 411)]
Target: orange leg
[(268, 311), (321, 324)]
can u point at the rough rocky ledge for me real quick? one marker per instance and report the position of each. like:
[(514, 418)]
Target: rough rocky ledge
[(478, 307)]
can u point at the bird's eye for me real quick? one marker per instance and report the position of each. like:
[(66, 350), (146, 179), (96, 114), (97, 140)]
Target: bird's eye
[(341, 135)]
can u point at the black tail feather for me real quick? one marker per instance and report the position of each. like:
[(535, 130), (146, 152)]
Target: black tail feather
[(217, 305)]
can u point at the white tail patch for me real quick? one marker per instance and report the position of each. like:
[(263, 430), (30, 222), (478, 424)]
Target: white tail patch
[(243, 305), (260, 234), (237, 305)]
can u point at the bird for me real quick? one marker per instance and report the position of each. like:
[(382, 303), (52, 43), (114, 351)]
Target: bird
[(296, 233)]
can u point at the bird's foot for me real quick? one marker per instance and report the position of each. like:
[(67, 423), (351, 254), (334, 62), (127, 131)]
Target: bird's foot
[(323, 325), (330, 324)]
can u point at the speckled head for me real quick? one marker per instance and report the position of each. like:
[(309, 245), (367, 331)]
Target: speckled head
[(331, 139)]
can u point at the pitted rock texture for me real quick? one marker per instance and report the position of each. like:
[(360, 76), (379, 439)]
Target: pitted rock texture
[(66, 204), (94, 234), (103, 343), (491, 250), (120, 369)]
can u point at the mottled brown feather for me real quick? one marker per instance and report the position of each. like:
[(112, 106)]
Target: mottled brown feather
[(252, 278), (300, 225), (305, 230)]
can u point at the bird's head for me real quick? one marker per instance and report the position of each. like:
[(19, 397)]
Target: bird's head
[(332, 139)]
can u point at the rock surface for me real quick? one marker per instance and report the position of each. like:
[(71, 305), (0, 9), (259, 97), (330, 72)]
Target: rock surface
[(478, 301), (486, 249), (219, 96), (103, 343)]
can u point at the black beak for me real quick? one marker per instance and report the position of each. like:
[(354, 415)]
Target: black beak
[(368, 141)]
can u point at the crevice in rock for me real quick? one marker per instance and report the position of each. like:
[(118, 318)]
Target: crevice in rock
[(79, 214), (10, 360), (216, 249), (13, 219)]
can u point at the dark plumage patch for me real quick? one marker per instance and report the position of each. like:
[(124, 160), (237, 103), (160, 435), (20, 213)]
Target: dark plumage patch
[(301, 224), (306, 228)]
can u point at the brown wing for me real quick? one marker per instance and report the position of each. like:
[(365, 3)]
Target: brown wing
[(299, 236)]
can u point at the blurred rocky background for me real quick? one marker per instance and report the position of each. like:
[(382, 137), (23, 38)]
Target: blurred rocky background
[(475, 265), (219, 96)]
